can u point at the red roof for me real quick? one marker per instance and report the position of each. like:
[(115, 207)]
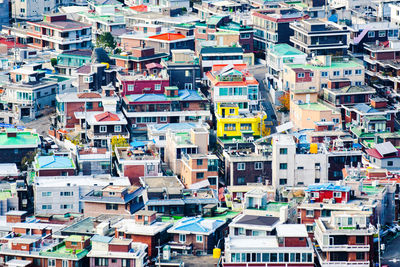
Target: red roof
[(139, 8), (89, 95), (239, 67), (373, 152), (154, 65), (107, 116), (10, 43), (168, 36)]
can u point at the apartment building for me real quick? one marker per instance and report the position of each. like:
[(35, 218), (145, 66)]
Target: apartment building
[(92, 160), (233, 84), (69, 61), (59, 33), (217, 55), (199, 170), (319, 37), (62, 194), (345, 238)]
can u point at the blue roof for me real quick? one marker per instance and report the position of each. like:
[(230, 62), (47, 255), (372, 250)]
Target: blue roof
[(101, 238), (365, 108), (183, 95), (136, 143), (174, 126), (197, 225), (327, 187), (54, 162)]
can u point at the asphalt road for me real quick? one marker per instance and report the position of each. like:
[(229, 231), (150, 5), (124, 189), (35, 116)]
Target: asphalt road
[(259, 73), (391, 256)]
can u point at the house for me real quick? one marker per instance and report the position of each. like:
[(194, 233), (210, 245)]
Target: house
[(107, 250), (113, 199), (276, 56), (384, 155), (28, 94), (55, 165), (328, 192), (137, 58), (340, 92), (144, 228), (233, 84), (140, 160), (69, 61), (381, 63), (92, 77), (290, 246), (183, 69), (23, 11), (166, 194), (213, 55), (209, 8), (320, 37), (15, 145), (92, 160), (196, 235), (272, 26), (59, 33), (222, 31), (338, 235), (62, 194), (253, 225), (102, 126), (199, 170)]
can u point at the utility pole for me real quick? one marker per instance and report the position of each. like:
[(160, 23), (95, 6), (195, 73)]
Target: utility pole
[(379, 243)]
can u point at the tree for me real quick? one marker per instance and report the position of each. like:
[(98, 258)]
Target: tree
[(285, 102), (118, 141), (106, 40), (53, 62), (27, 160)]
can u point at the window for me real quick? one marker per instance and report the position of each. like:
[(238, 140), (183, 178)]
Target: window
[(103, 143), (130, 87), (88, 79), (357, 83), (46, 194), (283, 166), (187, 73), (163, 119), (103, 129), (157, 87), (348, 72), (283, 151), (117, 128), (161, 138), (324, 74), (46, 207), (199, 238), (66, 206), (310, 213), (360, 239), (241, 180), (51, 262), (310, 228), (337, 194), (258, 165), (371, 34), (335, 120), (311, 74), (245, 127), (101, 262), (358, 72), (314, 194), (336, 73), (188, 86), (324, 85), (390, 163), (382, 33), (300, 75), (111, 206), (241, 166), (230, 127), (282, 181), (360, 256), (182, 238), (22, 10), (200, 175), (199, 162), (66, 194)]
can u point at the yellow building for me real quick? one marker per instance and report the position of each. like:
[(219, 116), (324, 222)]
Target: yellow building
[(232, 124)]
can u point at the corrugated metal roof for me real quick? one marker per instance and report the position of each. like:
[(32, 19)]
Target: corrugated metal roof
[(385, 148)]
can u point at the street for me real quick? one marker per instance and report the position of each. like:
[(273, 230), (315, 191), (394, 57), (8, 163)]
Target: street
[(391, 256)]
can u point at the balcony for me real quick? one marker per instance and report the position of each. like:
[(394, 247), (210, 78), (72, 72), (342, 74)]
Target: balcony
[(66, 40), (349, 248), (166, 113), (92, 135), (324, 262)]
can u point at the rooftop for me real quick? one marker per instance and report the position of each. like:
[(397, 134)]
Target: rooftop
[(258, 220), (285, 50), (22, 140), (291, 230), (334, 65), (54, 162), (196, 225), (327, 187)]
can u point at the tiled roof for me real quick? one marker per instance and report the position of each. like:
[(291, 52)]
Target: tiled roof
[(168, 36), (89, 95), (107, 116)]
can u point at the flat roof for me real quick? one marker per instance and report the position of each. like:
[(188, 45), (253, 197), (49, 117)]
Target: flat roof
[(291, 230)]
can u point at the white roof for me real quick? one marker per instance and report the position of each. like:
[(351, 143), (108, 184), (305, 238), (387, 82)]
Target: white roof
[(8, 169), (291, 230), (385, 148), (256, 242), (284, 139), (61, 181), (129, 226)]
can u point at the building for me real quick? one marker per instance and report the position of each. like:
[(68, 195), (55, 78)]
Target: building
[(278, 55), (59, 33), (166, 195), (108, 250), (253, 225), (183, 69), (113, 199), (384, 156), (63, 194), (18, 144), (69, 61), (210, 56), (272, 26), (95, 76), (342, 93), (318, 37), (208, 8), (144, 228), (28, 94), (345, 238), (92, 160), (222, 31), (55, 165), (290, 246), (140, 160), (233, 84), (328, 192), (22, 10), (199, 170), (196, 235)]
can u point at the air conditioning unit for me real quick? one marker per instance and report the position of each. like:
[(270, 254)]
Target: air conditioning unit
[(134, 125)]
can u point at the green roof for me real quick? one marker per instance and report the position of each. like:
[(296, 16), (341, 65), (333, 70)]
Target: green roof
[(185, 25), (59, 78), (372, 190), (334, 65), (5, 194), (285, 50), (214, 20), (276, 206), (376, 118), (315, 106), (234, 26), (23, 139)]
